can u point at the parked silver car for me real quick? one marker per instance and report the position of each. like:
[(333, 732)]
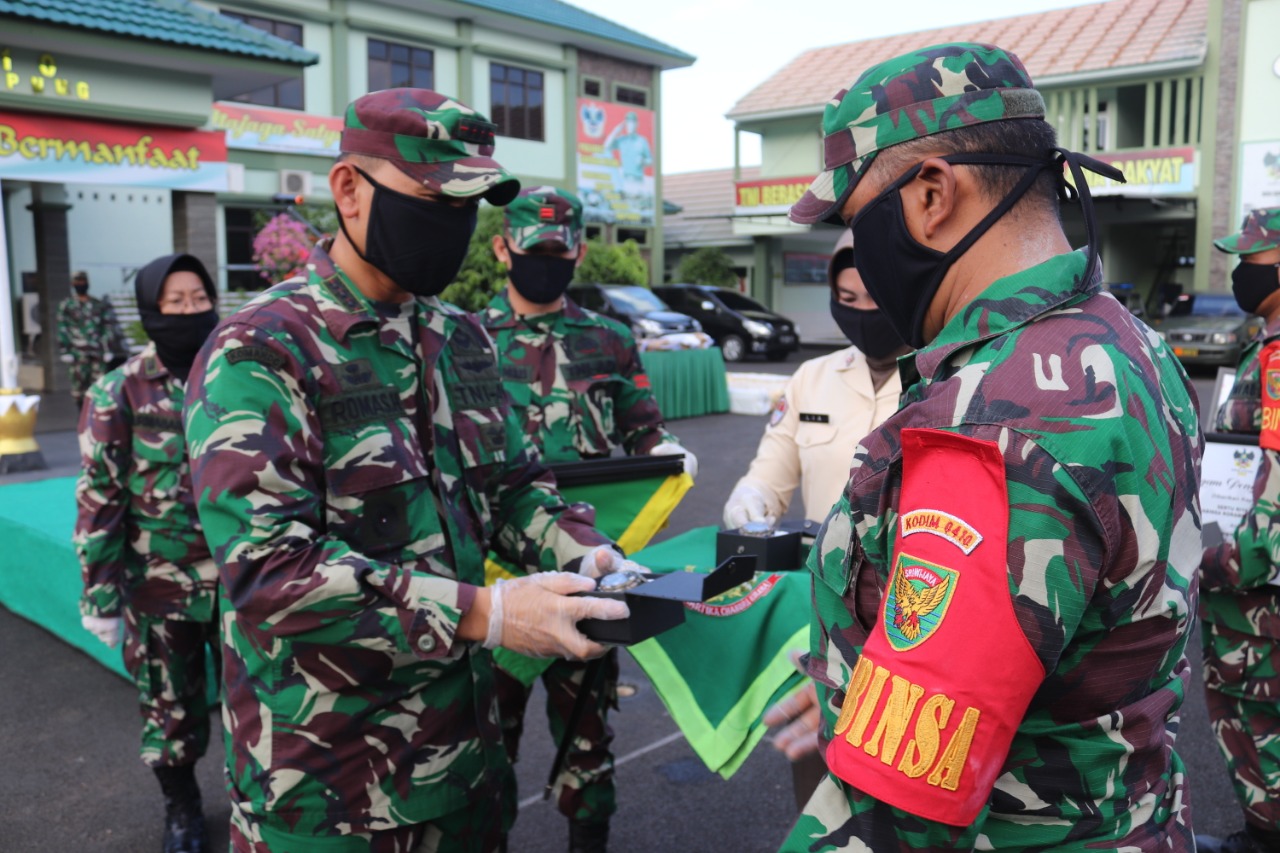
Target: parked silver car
[(1208, 328)]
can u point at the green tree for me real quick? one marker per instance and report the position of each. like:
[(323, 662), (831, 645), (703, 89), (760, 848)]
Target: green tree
[(708, 265), (620, 264), (482, 275)]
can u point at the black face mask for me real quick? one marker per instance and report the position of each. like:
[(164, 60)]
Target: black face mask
[(542, 279), (178, 337), (902, 275), (869, 331), (418, 244), (80, 289), (1253, 283)]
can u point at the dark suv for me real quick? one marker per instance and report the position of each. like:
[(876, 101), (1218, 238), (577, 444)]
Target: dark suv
[(739, 324), (633, 306)]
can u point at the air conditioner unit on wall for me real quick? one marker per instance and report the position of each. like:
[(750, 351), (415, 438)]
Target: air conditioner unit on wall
[(295, 182)]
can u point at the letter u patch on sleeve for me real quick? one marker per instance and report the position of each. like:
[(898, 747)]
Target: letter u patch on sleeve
[(946, 675), (1269, 365)]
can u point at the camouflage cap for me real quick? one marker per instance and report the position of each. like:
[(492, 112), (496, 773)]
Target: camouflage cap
[(1259, 231), (918, 94), (544, 215), (431, 138)]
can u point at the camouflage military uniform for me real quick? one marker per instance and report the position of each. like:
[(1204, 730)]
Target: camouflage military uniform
[(1240, 606), (578, 390), (1000, 665), (143, 551), (1098, 567), (88, 332), (355, 461)]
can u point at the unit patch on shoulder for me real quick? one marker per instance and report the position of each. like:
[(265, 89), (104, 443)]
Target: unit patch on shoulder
[(779, 411), (943, 524), (918, 596), (261, 355), (1273, 383)]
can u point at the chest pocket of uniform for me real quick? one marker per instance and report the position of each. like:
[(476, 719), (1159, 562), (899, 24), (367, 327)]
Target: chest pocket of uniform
[(159, 451), (593, 383), (814, 433), (378, 483)]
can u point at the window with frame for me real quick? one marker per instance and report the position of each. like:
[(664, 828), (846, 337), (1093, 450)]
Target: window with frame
[(516, 101), (393, 65), (631, 95), (592, 87), (288, 94), (804, 268)]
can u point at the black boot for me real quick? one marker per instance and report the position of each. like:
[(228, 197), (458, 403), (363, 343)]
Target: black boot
[(1248, 840), (588, 837), (184, 830)]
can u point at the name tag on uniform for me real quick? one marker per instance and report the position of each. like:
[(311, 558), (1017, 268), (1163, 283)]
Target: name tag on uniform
[(811, 418)]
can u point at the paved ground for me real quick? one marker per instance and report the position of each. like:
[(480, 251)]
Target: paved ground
[(70, 781)]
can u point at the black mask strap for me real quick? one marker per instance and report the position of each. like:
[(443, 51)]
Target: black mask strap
[(1078, 163)]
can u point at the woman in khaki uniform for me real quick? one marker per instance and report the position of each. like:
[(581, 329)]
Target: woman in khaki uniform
[(827, 407)]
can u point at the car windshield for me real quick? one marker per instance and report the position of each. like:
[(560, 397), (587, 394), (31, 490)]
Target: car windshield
[(737, 302), (634, 300), (1207, 305)]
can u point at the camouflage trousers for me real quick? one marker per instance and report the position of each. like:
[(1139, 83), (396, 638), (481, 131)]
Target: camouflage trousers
[(167, 660), (584, 787), (470, 830), (85, 370), (1242, 691)]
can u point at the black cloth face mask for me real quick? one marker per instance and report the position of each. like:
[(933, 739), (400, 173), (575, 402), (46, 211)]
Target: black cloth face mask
[(540, 278), (1253, 283), (418, 244), (869, 331), (902, 275), (178, 337), (80, 289)]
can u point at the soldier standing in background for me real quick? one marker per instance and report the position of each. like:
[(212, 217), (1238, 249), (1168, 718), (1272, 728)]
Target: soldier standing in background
[(578, 390), (355, 459), (89, 336), (147, 569), (1239, 601), (1005, 590)]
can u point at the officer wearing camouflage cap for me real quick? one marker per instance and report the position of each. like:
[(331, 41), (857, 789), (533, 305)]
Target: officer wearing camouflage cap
[(578, 390), (355, 459), (999, 663), (1239, 606)]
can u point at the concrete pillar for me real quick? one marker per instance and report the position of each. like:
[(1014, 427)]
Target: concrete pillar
[(195, 227), (53, 272)]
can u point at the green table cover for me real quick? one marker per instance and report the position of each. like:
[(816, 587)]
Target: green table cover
[(730, 660), (688, 382)]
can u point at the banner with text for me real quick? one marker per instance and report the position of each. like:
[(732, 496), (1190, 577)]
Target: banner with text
[(1156, 172), (261, 129), (1259, 176), (616, 163), (768, 196), (64, 150)]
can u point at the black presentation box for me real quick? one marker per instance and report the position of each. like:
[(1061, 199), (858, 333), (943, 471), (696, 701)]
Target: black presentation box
[(657, 605), (779, 551)]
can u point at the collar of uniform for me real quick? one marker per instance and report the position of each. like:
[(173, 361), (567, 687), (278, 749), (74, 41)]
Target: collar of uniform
[(1008, 303), (341, 304), (499, 314)]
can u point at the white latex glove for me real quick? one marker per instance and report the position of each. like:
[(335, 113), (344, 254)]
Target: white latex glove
[(108, 629), (747, 503), (802, 716), (535, 615), (670, 448), (66, 358), (605, 560)]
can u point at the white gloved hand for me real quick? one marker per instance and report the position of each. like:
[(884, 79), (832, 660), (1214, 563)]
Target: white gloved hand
[(108, 629), (747, 503), (66, 358), (536, 616), (802, 716), (605, 560), (670, 448)]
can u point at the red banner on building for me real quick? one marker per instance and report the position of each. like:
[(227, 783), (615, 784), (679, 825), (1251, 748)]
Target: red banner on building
[(55, 149)]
